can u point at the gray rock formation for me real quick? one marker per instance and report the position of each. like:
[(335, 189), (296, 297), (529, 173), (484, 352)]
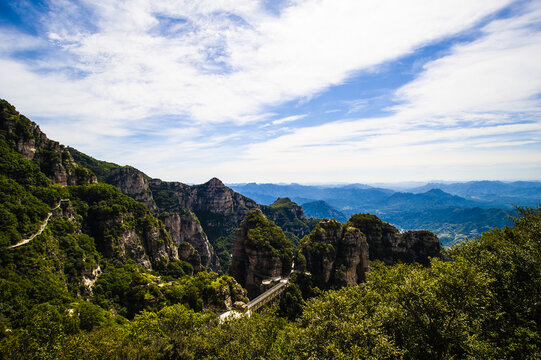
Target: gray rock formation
[(387, 244), (260, 251), (333, 255), (218, 208), (186, 228), (133, 183)]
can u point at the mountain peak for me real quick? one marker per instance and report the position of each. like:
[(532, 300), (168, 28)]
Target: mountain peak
[(215, 182)]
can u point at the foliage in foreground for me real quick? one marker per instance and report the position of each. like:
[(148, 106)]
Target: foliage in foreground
[(484, 302)]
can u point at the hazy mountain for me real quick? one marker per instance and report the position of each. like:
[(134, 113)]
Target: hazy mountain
[(343, 196), (492, 193), (452, 210), (434, 198), (320, 209), (451, 224)]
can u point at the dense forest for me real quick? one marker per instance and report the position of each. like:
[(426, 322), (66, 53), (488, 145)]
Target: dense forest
[(103, 280), (483, 302)]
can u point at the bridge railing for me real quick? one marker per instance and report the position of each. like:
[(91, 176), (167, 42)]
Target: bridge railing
[(267, 296)]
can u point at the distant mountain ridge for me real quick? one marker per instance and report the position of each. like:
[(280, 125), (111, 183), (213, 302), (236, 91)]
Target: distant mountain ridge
[(452, 210), (320, 209), (494, 193)]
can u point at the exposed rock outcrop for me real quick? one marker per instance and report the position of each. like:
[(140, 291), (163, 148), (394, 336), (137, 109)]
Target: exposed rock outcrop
[(218, 208), (146, 244), (260, 251), (334, 255), (186, 228), (418, 246), (133, 183), (54, 159), (188, 253), (387, 244)]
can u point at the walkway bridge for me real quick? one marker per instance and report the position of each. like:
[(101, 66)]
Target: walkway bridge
[(260, 301), (268, 295)]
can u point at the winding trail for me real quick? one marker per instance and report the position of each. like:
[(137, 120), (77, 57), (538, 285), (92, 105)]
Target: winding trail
[(43, 226)]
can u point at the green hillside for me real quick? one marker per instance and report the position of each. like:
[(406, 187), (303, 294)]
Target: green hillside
[(87, 272)]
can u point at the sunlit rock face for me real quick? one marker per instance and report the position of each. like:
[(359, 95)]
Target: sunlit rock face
[(387, 244), (186, 228), (133, 183), (218, 208)]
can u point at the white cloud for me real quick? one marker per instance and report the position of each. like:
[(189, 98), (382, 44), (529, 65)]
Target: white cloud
[(288, 119), (232, 60), (499, 72), (474, 113), (200, 64)]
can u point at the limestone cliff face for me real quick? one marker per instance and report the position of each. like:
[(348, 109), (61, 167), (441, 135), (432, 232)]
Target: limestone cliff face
[(133, 183), (186, 228), (187, 252), (145, 240), (28, 139), (218, 208), (387, 244), (260, 251), (334, 255)]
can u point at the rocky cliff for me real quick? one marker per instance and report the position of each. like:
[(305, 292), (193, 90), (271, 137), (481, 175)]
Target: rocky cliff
[(182, 224), (186, 228), (133, 183), (122, 228), (218, 208), (418, 246), (54, 159), (260, 252), (390, 246), (333, 255)]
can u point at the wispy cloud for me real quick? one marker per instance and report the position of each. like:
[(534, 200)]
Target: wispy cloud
[(288, 119), (468, 113), (232, 58), (154, 83)]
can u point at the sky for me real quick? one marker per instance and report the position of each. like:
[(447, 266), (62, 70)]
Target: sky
[(315, 91)]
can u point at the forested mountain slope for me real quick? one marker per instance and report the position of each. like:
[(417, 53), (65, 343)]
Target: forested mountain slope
[(105, 279)]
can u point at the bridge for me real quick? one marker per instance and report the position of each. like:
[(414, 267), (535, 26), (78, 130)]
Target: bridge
[(268, 295), (258, 302)]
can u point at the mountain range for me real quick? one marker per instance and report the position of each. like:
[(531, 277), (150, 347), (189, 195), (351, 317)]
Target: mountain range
[(453, 211)]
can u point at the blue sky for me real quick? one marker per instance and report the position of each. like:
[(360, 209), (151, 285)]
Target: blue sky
[(326, 91)]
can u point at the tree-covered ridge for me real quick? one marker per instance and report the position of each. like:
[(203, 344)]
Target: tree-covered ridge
[(290, 217), (26, 138), (100, 257), (264, 234), (100, 168), (481, 303)]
